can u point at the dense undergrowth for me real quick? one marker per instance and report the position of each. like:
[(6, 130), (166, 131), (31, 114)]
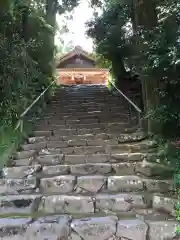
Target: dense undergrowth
[(25, 69)]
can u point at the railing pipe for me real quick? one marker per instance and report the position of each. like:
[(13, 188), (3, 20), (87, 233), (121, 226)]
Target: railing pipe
[(20, 122), (133, 104)]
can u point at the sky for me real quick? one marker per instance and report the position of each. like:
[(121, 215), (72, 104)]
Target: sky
[(77, 28)]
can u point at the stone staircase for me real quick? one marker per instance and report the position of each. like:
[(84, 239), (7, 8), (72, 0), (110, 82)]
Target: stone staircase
[(86, 173)]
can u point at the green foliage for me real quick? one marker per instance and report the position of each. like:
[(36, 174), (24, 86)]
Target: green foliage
[(101, 61), (26, 66), (22, 74), (158, 58), (147, 49), (108, 34)]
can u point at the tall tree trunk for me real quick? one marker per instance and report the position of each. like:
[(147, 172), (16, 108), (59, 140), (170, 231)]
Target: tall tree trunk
[(146, 17), (118, 69), (4, 14), (133, 18), (51, 10)]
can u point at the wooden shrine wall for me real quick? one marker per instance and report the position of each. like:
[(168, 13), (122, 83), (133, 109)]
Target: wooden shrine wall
[(98, 76)]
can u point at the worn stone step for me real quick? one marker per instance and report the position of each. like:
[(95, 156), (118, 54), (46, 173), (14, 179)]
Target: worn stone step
[(47, 121), (165, 203), (55, 156), (52, 126), (21, 172), (144, 169), (76, 150), (38, 143), (85, 204), (83, 184), (97, 158), (26, 154), (112, 228), (42, 133), (80, 110), (105, 136), (144, 146), (18, 185), (59, 118), (14, 228), (32, 140), (101, 183), (94, 131), (58, 112), (98, 147), (65, 144), (75, 204), (33, 146), (19, 204), (87, 106)]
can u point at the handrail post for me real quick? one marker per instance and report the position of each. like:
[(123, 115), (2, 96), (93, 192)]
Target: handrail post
[(140, 120), (21, 125)]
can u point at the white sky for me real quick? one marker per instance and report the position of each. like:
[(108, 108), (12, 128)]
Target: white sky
[(77, 27)]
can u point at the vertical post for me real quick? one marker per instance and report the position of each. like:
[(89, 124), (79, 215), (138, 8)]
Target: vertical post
[(130, 112), (21, 125), (140, 121)]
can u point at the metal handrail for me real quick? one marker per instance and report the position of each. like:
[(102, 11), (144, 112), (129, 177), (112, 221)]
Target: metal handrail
[(20, 123), (133, 104)]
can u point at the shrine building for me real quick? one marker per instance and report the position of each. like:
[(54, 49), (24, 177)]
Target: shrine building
[(78, 67)]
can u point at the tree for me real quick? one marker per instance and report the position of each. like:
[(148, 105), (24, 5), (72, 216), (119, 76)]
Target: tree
[(109, 38)]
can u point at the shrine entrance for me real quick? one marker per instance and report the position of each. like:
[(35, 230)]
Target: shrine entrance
[(68, 76)]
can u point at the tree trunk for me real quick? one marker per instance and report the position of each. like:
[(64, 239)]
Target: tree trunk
[(118, 69), (146, 15), (4, 16), (51, 10), (146, 18), (133, 18)]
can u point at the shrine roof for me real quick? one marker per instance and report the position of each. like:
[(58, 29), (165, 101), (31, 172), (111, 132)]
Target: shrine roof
[(77, 51)]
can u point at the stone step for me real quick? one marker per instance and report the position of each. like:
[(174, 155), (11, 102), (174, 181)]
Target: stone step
[(74, 122), (55, 156), (81, 107), (71, 119), (95, 115), (26, 204), (104, 136), (144, 169), (77, 124), (65, 184), (91, 228), (85, 97), (50, 144), (111, 110), (85, 147), (99, 183), (94, 131), (42, 133)]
